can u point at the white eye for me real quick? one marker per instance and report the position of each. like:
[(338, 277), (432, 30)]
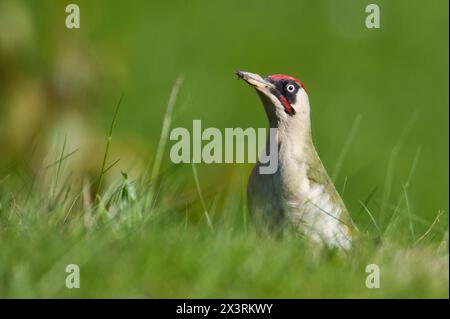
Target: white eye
[(290, 88)]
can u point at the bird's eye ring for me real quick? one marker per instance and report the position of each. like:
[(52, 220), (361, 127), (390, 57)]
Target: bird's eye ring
[(290, 88)]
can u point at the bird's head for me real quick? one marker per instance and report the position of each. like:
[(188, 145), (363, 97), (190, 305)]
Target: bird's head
[(284, 97)]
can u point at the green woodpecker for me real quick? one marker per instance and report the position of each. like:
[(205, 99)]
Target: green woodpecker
[(299, 192)]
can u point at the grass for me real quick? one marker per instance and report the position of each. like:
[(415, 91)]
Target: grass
[(152, 241), (130, 251)]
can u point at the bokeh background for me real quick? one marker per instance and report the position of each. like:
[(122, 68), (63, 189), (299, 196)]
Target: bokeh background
[(379, 101), (57, 83)]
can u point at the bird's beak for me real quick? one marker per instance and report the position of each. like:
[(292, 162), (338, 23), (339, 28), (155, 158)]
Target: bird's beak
[(256, 81), (266, 89)]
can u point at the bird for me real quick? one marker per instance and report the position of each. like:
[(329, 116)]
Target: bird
[(299, 194)]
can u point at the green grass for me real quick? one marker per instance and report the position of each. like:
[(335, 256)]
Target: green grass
[(128, 250)]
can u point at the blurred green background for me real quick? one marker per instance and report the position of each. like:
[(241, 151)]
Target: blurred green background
[(56, 82)]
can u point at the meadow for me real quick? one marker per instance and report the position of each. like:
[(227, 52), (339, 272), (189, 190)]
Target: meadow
[(85, 176)]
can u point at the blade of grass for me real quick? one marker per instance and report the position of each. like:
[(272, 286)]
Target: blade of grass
[(346, 147), (111, 166), (157, 160), (58, 169), (72, 205), (244, 206), (371, 218), (62, 159), (344, 186), (408, 182), (366, 203), (165, 128), (53, 188), (387, 190), (436, 220), (199, 191), (408, 209), (108, 145), (416, 219)]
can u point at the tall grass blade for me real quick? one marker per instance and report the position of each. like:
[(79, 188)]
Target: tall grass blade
[(435, 221), (406, 185), (392, 163), (371, 218), (346, 147), (62, 159), (200, 194), (344, 186), (244, 206), (408, 210), (108, 145), (58, 169), (165, 129)]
